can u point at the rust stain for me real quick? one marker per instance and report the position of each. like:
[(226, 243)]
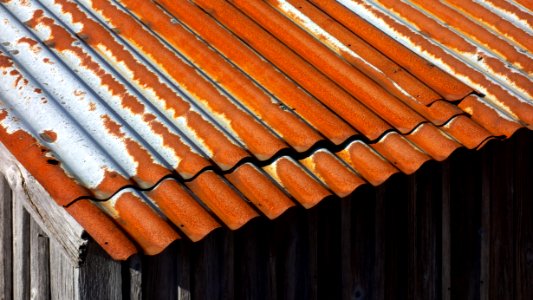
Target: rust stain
[(488, 117), (433, 141), (330, 94), (148, 172), (356, 83), (263, 193), (49, 136), (221, 199), (402, 154), (258, 139), (334, 174), (31, 42), (293, 130), (143, 224), (306, 190), (181, 208), (444, 84), (102, 229), (225, 153), (467, 132), (468, 27), (38, 160), (372, 167)]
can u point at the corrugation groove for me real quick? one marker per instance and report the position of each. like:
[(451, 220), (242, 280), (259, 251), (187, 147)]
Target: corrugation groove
[(154, 121)]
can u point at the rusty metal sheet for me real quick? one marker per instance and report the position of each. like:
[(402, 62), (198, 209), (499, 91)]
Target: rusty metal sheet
[(151, 121), (503, 86)]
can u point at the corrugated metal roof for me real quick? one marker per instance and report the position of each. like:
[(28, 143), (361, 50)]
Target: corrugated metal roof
[(153, 120)]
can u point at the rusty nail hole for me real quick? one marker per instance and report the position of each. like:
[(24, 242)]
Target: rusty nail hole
[(83, 36), (48, 136), (54, 162), (105, 243), (50, 43), (479, 58)]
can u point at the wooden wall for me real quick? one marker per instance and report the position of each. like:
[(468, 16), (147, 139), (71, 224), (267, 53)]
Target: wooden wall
[(462, 229)]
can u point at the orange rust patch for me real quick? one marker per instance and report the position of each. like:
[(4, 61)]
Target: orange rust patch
[(102, 229), (263, 193), (151, 232), (31, 42), (32, 155), (300, 185), (183, 210), (222, 199), (110, 184), (148, 172)]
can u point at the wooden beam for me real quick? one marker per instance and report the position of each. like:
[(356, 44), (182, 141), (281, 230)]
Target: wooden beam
[(63, 276), (53, 219), (100, 277)]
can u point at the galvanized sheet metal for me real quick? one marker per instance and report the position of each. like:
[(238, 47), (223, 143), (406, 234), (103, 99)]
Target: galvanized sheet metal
[(152, 121)]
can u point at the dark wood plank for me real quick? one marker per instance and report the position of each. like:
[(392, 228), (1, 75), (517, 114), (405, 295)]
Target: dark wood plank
[(40, 263), (501, 271), (6, 235), (367, 272), (251, 260), (523, 166), (465, 220), (378, 286), (396, 237), (21, 250), (446, 232), (183, 270), (329, 252), (346, 248), (63, 275), (159, 275), (100, 277), (132, 278), (311, 221), (211, 271), (424, 188)]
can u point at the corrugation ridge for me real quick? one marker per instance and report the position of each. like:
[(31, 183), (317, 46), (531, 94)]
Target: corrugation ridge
[(170, 99), (477, 35), (355, 51), (266, 108), (506, 10), (491, 21), (361, 87), (132, 106), (257, 138), (471, 52), (442, 82), (459, 68), (75, 98), (307, 76), (271, 79)]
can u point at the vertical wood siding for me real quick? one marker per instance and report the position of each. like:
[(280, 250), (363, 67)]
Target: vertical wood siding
[(462, 229)]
